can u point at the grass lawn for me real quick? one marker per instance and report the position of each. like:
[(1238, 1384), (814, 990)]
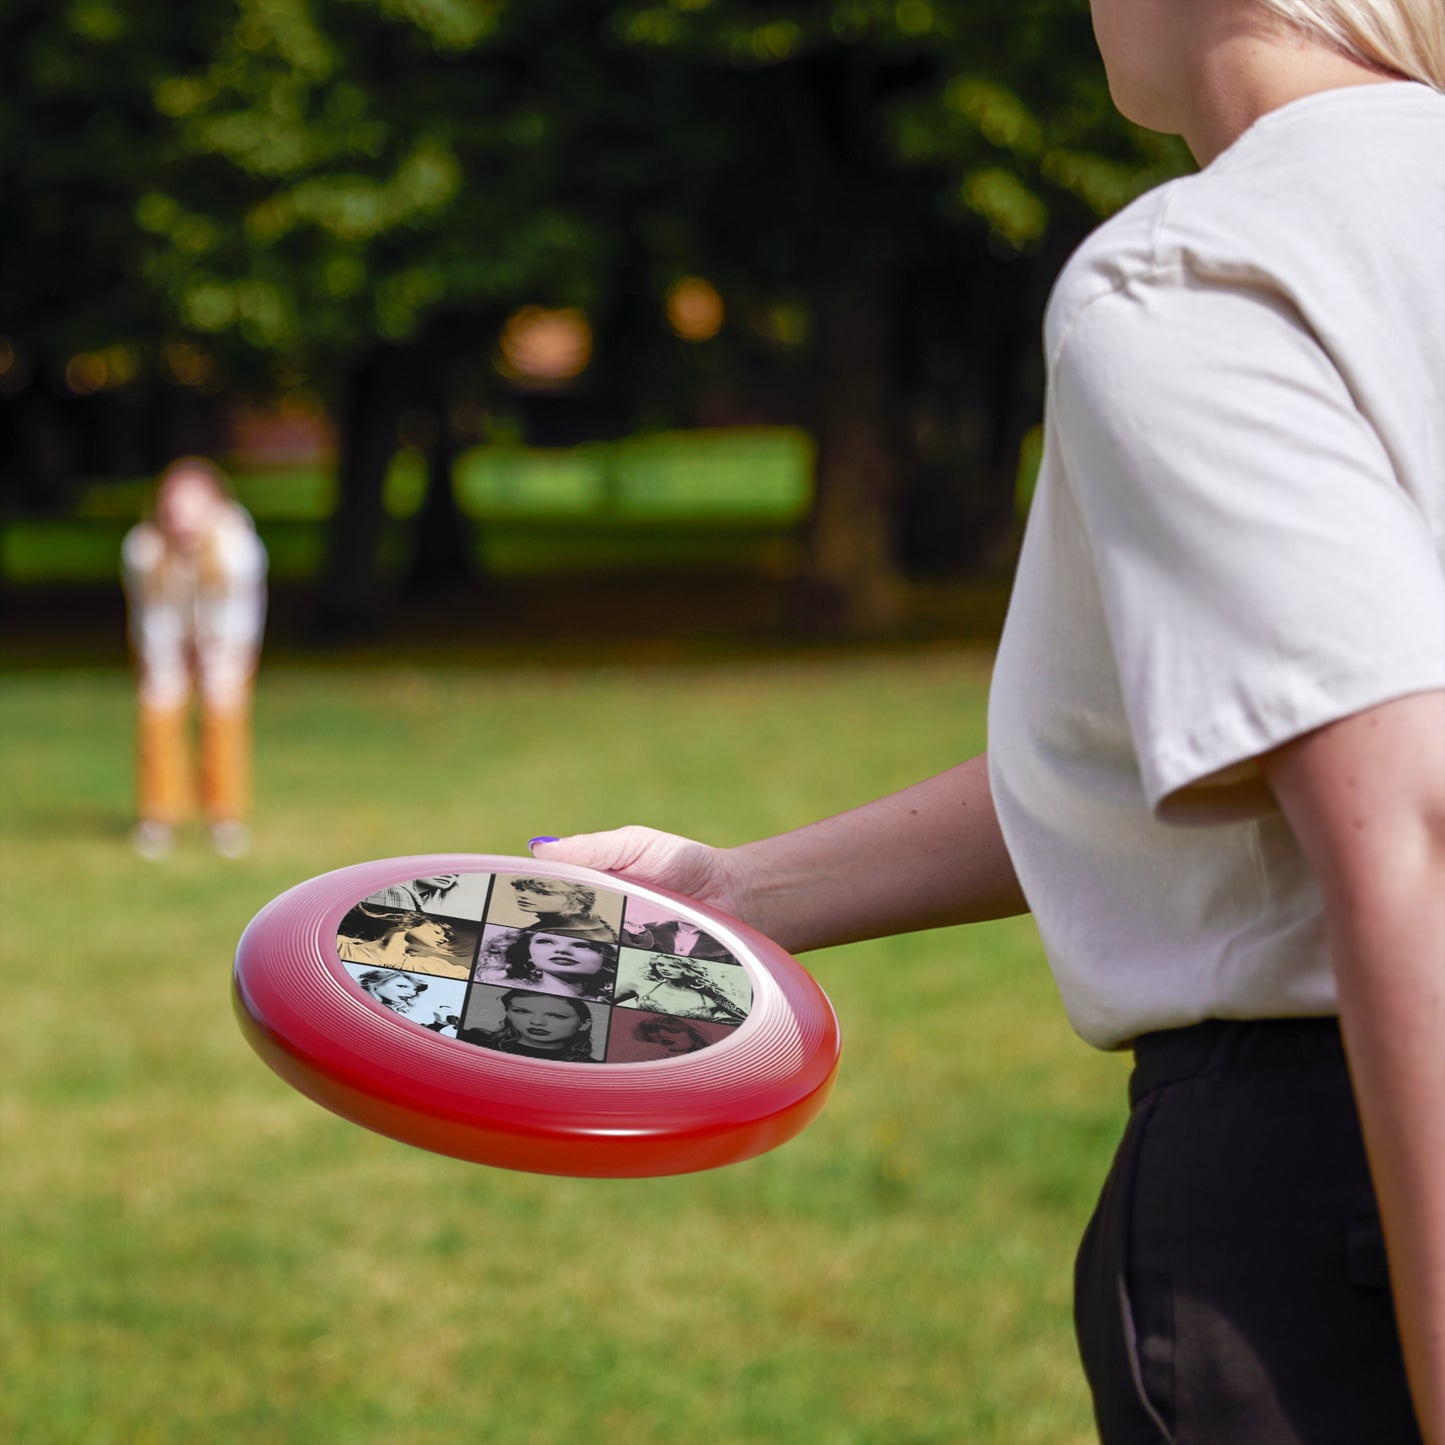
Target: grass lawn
[(194, 1253)]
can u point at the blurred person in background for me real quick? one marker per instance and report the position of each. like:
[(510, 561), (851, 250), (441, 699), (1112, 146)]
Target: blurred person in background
[(1216, 766), (195, 583)]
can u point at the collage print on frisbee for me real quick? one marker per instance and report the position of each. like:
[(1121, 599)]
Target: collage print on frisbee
[(544, 968)]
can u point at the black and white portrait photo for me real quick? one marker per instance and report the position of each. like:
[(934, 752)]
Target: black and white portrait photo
[(555, 905), (653, 928), (417, 942), (547, 962), (536, 1025), (690, 988), (453, 895), (646, 1037), (434, 1003)]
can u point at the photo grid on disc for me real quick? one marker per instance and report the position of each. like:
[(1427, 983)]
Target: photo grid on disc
[(544, 968)]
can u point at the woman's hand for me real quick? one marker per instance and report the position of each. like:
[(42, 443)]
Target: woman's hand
[(664, 860)]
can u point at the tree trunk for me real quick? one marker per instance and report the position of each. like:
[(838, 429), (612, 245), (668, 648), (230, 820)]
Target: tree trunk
[(442, 557), (350, 600), (851, 264), (973, 386), (852, 559)]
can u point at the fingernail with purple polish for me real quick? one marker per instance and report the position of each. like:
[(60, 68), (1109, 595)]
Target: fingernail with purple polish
[(532, 843)]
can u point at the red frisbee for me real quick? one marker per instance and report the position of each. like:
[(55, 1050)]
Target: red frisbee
[(535, 1016)]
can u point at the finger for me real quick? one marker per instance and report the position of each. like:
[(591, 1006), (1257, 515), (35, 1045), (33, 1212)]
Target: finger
[(608, 852)]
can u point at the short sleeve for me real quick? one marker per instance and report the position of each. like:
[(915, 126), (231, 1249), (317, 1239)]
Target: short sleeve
[(1263, 571)]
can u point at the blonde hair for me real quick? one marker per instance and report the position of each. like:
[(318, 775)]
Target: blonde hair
[(1404, 37)]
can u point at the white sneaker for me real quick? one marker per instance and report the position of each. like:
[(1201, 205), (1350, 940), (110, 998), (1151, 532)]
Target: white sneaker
[(152, 840), (231, 840)]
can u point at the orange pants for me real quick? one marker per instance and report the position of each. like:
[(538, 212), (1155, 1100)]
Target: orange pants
[(163, 762)]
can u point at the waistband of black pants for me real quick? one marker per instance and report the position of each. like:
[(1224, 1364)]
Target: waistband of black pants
[(1225, 1046)]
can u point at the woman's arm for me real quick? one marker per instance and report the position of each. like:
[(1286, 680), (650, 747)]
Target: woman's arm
[(927, 857), (1366, 799)]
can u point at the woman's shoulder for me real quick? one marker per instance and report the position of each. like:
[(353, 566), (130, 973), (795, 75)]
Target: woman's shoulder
[(1108, 260), (1317, 194)]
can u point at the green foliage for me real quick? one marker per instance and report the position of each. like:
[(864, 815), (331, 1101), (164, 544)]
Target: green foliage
[(194, 1252), (301, 177), (1004, 105), (349, 197), (78, 140), (353, 147)]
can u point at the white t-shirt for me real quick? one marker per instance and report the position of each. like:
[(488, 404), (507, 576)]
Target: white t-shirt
[(1238, 535), (184, 622)]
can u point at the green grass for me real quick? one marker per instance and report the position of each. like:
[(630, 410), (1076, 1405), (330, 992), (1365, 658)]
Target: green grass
[(193, 1252)]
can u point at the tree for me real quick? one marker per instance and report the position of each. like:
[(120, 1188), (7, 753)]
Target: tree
[(352, 195), (908, 145), (368, 189), (79, 139)]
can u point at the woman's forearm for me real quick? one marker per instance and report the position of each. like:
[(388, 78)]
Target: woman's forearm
[(1366, 799), (926, 857), (1390, 971)]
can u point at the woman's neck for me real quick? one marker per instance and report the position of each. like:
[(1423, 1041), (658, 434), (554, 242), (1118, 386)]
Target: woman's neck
[(1245, 65), (1244, 81)]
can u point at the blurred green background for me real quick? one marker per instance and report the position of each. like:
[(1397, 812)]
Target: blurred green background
[(422, 272), (639, 400), (683, 500)]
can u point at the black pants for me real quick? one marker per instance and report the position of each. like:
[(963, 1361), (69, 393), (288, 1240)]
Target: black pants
[(1231, 1287)]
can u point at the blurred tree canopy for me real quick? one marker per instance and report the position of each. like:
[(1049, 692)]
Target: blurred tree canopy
[(350, 197)]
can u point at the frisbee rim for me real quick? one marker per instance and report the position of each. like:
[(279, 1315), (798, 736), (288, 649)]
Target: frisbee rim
[(307, 1018)]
